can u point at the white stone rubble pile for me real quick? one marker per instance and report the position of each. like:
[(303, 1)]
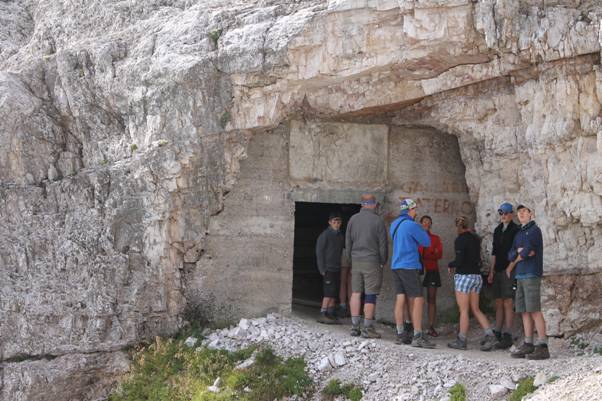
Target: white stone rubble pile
[(387, 371)]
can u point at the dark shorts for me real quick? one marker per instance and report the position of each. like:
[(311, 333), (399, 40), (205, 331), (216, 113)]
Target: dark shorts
[(502, 286), (330, 284), (407, 282), (528, 295), (432, 278)]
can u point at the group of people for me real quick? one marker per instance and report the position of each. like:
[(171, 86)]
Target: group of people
[(359, 256)]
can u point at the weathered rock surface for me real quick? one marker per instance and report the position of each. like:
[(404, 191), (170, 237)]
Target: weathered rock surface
[(123, 126)]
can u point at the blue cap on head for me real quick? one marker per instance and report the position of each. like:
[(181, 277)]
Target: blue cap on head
[(505, 208)]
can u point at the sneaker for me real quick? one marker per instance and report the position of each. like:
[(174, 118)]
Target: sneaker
[(370, 332), (488, 343), (355, 331), (400, 338), (505, 343), (422, 341), (541, 352), (523, 351), (327, 319), (432, 332), (457, 344)]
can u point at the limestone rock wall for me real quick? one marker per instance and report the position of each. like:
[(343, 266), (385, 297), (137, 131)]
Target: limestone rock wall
[(122, 127)]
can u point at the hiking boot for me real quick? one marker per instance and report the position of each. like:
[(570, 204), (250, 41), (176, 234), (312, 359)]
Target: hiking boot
[(457, 344), (505, 343), (399, 339), (498, 335), (523, 351), (355, 331), (541, 352), (432, 332), (406, 337), (370, 332), (421, 341), (327, 319), (343, 311), (488, 343)]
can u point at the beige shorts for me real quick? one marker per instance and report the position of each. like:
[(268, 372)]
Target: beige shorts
[(366, 277)]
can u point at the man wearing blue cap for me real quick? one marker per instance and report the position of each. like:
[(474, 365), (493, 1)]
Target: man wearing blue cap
[(407, 236), (503, 293)]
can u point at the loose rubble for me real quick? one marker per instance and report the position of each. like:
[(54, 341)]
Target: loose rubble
[(391, 372)]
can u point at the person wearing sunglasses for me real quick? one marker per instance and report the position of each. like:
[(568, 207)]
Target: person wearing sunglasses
[(502, 285)]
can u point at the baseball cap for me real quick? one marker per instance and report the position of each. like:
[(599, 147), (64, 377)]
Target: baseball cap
[(521, 206), (505, 208), (407, 204)]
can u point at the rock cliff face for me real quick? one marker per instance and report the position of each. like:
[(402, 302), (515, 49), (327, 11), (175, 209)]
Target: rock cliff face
[(144, 152)]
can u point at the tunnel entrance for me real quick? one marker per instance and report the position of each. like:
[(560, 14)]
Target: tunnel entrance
[(310, 220)]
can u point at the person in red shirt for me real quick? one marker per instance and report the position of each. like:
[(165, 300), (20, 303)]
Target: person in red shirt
[(432, 280)]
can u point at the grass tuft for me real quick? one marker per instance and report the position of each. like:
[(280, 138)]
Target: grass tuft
[(225, 119), (457, 392), (525, 387), (168, 370), (335, 388), (214, 36)]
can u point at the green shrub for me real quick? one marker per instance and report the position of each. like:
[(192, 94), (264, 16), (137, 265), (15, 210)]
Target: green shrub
[(525, 386), (224, 119), (168, 370), (214, 36), (133, 148), (335, 388), (457, 392)]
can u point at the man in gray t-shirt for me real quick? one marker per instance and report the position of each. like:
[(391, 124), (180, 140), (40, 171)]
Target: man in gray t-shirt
[(366, 245)]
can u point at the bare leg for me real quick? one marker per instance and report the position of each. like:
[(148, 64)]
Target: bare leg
[(400, 306), (528, 324), (326, 302), (356, 303), (476, 311), (540, 324), (432, 300), (349, 285), (417, 313), (499, 313), (369, 311), (343, 289), (508, 314), (463, 305)]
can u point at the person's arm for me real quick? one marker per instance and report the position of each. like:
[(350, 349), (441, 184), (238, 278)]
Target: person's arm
[(348, 241), (454, 263), (491, 270), (321, 253), (437, 249), (421, 235), (383, 243)]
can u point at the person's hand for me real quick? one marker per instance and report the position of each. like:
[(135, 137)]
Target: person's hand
[(490, 277), (450, 271), (532, 253)]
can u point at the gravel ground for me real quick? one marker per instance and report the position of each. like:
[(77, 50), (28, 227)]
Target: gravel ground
[(391, 372)]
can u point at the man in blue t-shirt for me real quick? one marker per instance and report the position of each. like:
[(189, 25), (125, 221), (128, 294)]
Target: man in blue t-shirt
[(526, 256), (407, 236)]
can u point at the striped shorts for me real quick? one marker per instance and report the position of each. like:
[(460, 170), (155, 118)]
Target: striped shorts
[(468, 282)]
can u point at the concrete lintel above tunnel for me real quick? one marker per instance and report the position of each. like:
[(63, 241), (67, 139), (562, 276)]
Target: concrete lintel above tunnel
[(338, 153)]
